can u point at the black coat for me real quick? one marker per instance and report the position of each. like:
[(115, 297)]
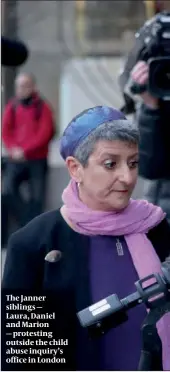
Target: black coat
[(154, 142), (65, 281), (154, 150)]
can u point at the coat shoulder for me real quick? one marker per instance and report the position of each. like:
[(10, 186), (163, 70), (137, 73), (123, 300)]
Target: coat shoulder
[(38, 230), (26, 251)]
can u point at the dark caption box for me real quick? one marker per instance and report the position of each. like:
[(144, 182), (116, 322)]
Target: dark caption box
[(36, 333)]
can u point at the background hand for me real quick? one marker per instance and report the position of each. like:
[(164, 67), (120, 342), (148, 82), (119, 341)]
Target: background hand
[(17, 154), (139, 75)]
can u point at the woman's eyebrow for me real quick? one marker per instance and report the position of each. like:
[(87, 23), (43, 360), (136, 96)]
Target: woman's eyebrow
[(111, 155), (133, 155), (104, 154)]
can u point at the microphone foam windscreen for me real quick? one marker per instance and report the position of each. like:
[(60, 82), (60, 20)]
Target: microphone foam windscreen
[(13, 53)]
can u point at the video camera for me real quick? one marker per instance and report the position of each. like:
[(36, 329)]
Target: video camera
[(152, 46), (111, 312)]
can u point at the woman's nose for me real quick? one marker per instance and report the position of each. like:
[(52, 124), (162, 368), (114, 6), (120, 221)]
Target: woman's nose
[(126, 176)]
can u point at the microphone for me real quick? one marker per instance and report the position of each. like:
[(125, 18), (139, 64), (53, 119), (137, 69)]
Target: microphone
[(111, 311), (13, 53)]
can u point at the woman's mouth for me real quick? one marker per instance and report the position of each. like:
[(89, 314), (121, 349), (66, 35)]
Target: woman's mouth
[(121, 191)]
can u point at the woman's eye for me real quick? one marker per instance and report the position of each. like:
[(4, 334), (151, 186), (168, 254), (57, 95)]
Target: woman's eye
[(109, 164), (134, 164)]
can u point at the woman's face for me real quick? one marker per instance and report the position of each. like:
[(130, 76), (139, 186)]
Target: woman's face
[(108, 180)]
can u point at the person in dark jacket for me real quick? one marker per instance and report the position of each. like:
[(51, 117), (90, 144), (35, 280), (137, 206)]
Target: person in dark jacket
[(100, 242), (154, 146), (27, 130)]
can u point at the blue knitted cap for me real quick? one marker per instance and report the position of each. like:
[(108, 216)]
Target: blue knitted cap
[(83, 124)]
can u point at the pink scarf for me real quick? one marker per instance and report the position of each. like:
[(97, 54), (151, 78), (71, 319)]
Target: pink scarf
[(133, 222)]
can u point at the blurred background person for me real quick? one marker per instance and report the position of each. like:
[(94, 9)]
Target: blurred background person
[(27, 129), (148, 83), (153, 120)]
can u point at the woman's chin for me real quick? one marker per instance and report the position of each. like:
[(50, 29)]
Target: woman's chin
[(120, 204)]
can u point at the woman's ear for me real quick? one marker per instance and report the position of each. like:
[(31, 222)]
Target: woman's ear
[(74, 168)]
